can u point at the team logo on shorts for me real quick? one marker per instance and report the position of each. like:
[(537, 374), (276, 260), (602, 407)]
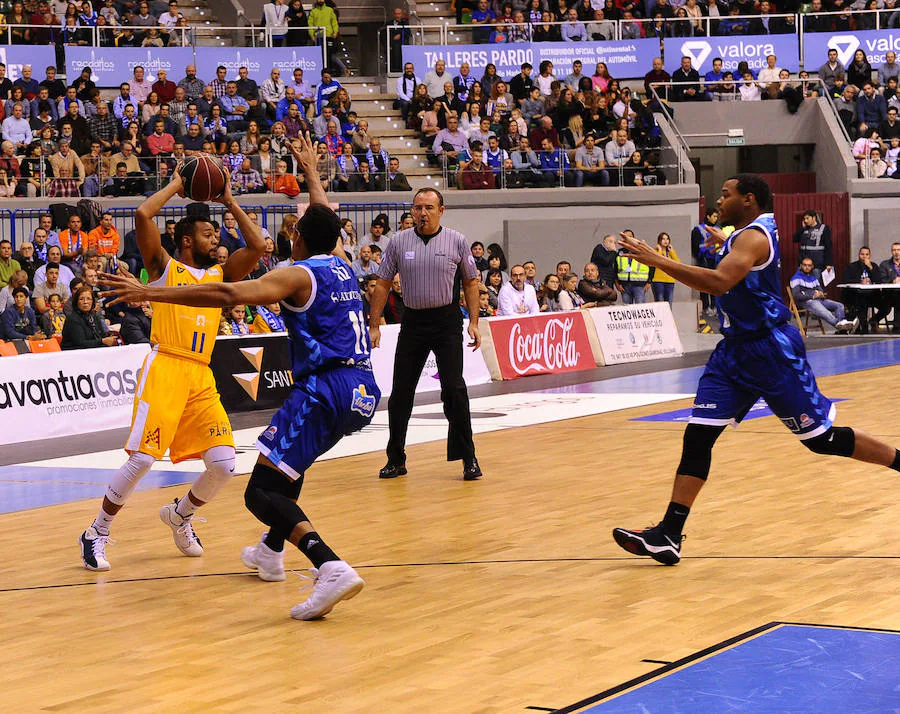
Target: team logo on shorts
[(806, 421), (151, 438), (363, 403), (270, 433)]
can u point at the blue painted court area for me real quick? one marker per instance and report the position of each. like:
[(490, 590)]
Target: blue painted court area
[(757, 411), (792, 668), (23, 487), (825, 363)]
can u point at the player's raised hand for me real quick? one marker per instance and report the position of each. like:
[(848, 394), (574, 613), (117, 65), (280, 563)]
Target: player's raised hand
[(122, 288), (176, 181), (638, 249), (304, 151), (716, 238)]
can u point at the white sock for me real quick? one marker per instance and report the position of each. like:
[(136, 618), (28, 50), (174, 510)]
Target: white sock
[(185, 507), (103, 521)]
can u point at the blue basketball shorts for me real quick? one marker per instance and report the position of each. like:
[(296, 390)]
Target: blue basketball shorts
[(321, 409), (773, 367)]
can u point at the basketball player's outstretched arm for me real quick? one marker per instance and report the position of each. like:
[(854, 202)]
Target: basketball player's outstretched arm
[(242, 262), (750, 249), (148, 238), (304, 153), (293, 282)]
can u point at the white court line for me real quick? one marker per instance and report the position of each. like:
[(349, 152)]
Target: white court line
[(507, 411)]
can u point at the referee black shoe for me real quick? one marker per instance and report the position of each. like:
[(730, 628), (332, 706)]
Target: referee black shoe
[(392, 470), (654, 542), (471, 470)]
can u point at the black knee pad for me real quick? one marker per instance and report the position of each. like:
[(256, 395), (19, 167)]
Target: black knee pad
[(266, 480), (837, 441), (696, 450)]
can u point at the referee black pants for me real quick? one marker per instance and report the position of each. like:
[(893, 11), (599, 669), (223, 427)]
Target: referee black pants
[(438, 330)]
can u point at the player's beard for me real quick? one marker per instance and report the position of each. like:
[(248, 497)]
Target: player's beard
[(203, 260)]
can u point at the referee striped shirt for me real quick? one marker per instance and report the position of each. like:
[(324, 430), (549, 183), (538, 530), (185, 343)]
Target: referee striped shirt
[(428, 268)]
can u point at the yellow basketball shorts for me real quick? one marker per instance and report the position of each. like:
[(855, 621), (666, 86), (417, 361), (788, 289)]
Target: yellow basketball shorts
[(177, 407)]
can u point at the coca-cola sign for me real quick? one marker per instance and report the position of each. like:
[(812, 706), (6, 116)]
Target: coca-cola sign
[(542, 344)]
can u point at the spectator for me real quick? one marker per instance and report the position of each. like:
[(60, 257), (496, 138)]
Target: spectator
[(633, 278), (572, 30), (18, 279), (873, 166), (477, 250), (140, 87), (517, 297), (593, 289), (434, 79), (663, 284), (815, 242), (17, 129), (363, 180), (555, 164), (124, 99), (544, 80), (19, 321), (771, 72), (687, 83), (528, 166), (51, 285), (272, 91), (750, 90), (890, 127), (604, 257), (327, 87), (283, 182), (475, 174), (247, 179), (859, 71), (56, 88), (164, 87), (890, 273), (549, 294), (871, 109), (28, 83), (394, 307), (630, 29), (364, 265), (545, 130), (600, 29), (67, 164), (619, 151), (397, 180), (832, 72), (406, 87), (493, 280), (160, 143), (484, 17), (569, 297), (8, 264), (324, 16), (192, 86), (268, 319), (84, 329), (103, 128), (889, 68), (134, 323), (53, 321), (865, 272), (450, 142), (30, 262), (658, 76), (589, 164), (805, 287), (462, 84)]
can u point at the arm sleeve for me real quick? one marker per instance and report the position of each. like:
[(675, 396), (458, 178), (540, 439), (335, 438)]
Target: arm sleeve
[(504, 303), (533, 307), (467, 261)]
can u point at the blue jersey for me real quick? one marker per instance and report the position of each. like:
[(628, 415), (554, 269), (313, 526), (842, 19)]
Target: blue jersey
[(754, 306), (330, 330)]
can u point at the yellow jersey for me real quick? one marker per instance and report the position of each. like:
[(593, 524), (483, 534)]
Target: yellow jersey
[(188, 332)]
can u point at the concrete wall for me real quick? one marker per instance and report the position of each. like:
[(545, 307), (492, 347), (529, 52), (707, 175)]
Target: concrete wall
[(874, 216), (706, 125)]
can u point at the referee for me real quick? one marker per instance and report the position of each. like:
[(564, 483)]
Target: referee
[(429, 258)]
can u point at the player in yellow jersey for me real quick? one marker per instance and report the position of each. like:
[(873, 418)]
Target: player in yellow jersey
[(176, 405)]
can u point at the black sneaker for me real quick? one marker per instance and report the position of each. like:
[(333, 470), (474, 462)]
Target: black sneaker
[(471, 470), (392, 470), (654, 542)]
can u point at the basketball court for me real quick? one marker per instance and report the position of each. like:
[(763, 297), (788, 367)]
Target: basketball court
[(500, 596)]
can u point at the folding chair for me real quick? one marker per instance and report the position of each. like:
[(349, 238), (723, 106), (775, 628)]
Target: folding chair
[(50, 345)]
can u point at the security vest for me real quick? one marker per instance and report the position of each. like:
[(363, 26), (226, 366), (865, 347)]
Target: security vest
[(630, 270)]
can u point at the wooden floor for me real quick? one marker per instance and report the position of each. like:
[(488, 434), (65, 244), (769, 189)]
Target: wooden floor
[(482, 597)]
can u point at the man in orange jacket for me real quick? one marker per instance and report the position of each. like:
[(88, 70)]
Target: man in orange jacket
[(105, 240)]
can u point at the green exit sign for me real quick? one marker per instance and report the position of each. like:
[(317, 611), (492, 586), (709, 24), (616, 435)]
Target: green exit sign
[(734, 141)]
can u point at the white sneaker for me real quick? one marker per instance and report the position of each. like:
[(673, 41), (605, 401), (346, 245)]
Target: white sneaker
[(843, 326), (333, 582), (93, 549), (182, 530), (268, 563)]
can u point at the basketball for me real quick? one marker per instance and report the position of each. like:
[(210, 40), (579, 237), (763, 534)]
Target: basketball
[(203, 177)]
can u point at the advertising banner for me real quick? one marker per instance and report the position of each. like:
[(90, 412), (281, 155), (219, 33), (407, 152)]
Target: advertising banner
[(259, 62), (38, 56), (636, 333), (539, 344), (252, 371), (625, 58), (475, 370), (732, 50), (57, 394), (875, 43), (110, 66)]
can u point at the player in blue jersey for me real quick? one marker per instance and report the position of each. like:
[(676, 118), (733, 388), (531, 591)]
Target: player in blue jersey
[(762, 355), (334, 390)]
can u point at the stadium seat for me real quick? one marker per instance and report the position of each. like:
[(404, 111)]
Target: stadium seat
[(50, 345)]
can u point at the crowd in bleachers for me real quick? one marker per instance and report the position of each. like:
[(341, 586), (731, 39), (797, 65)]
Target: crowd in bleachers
[(61, 141)]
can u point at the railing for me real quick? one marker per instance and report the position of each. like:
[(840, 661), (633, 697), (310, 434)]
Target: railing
[(16, 225), (245, 34)]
